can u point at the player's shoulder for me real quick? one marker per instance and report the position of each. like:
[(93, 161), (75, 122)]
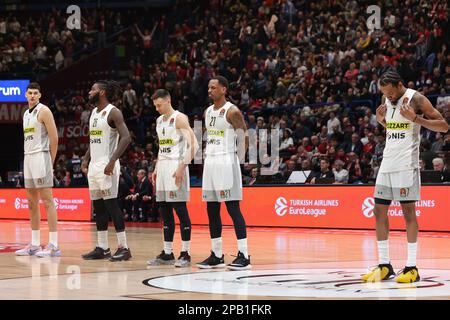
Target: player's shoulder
[(43, 107), (180, 117), (113, 107), (416, 95), (417, 99), (179, 114), (44, 111), (115, 110), (232, 108)]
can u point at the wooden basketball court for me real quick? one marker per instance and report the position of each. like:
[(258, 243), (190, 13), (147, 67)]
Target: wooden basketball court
[(287, 264)]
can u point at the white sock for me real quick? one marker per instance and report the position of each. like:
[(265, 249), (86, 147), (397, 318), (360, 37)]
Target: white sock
[(35, 237), (122, 239), (412, 254), (217, 246), (102, 237), (383, 252), (168, 247), (185, 246), (53, 238), (242, 247)]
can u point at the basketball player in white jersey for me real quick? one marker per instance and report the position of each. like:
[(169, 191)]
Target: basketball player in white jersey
[(177, 148), (222, 179), (402, 112), (40, 147), (109, 138)]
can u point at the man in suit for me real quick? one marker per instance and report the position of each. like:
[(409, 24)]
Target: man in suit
[(355, 145), (141, 197)]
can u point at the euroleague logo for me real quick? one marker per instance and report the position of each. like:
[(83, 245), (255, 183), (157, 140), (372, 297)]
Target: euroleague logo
[(281, 206), (23, 203), (17, 203), (368, 206)]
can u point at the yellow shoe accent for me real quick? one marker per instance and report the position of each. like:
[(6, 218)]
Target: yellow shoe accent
[(380, 273), (408, 275)]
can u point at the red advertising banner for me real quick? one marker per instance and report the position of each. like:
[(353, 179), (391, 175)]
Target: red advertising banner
[(346, 207), (71, 204), (342, 207), (12, 112)]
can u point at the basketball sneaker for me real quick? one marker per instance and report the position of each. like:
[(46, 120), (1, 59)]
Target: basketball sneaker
[(408, 275), (184, 260), (162, 259), (97, 254), (240, 263), (380, 273), (212, 262), (29, 250), (50, 251), (122, 254)]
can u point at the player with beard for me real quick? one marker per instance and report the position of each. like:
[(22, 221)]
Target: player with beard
[(109, 138)]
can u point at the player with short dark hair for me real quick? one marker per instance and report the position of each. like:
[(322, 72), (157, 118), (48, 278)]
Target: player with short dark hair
[(177, 148), (222, 179), (403, 111), (40, 148)]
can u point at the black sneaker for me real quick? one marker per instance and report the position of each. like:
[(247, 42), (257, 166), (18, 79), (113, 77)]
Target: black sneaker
[(240, 263), (122, 254), (184, 260), (212, 262), (97, 254), (162, 259)]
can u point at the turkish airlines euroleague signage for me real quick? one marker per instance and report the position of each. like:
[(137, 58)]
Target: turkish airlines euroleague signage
[(71, 204), (349, 207), (346, 207)]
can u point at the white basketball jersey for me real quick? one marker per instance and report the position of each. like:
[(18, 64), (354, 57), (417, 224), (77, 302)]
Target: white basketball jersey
[(35, 133), (171, 142), (402, 138), (220, 134), (103, 138)]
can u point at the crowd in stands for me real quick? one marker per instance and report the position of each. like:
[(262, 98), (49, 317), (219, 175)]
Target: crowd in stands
[(308, 69), (39, 42)]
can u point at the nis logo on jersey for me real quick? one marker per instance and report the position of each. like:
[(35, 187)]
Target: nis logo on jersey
[(28, 132), (96, 133), (165, 146), (215, 133)]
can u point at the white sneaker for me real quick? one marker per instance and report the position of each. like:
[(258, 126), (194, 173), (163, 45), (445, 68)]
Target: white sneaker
[(49, 251), (29, 250)]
